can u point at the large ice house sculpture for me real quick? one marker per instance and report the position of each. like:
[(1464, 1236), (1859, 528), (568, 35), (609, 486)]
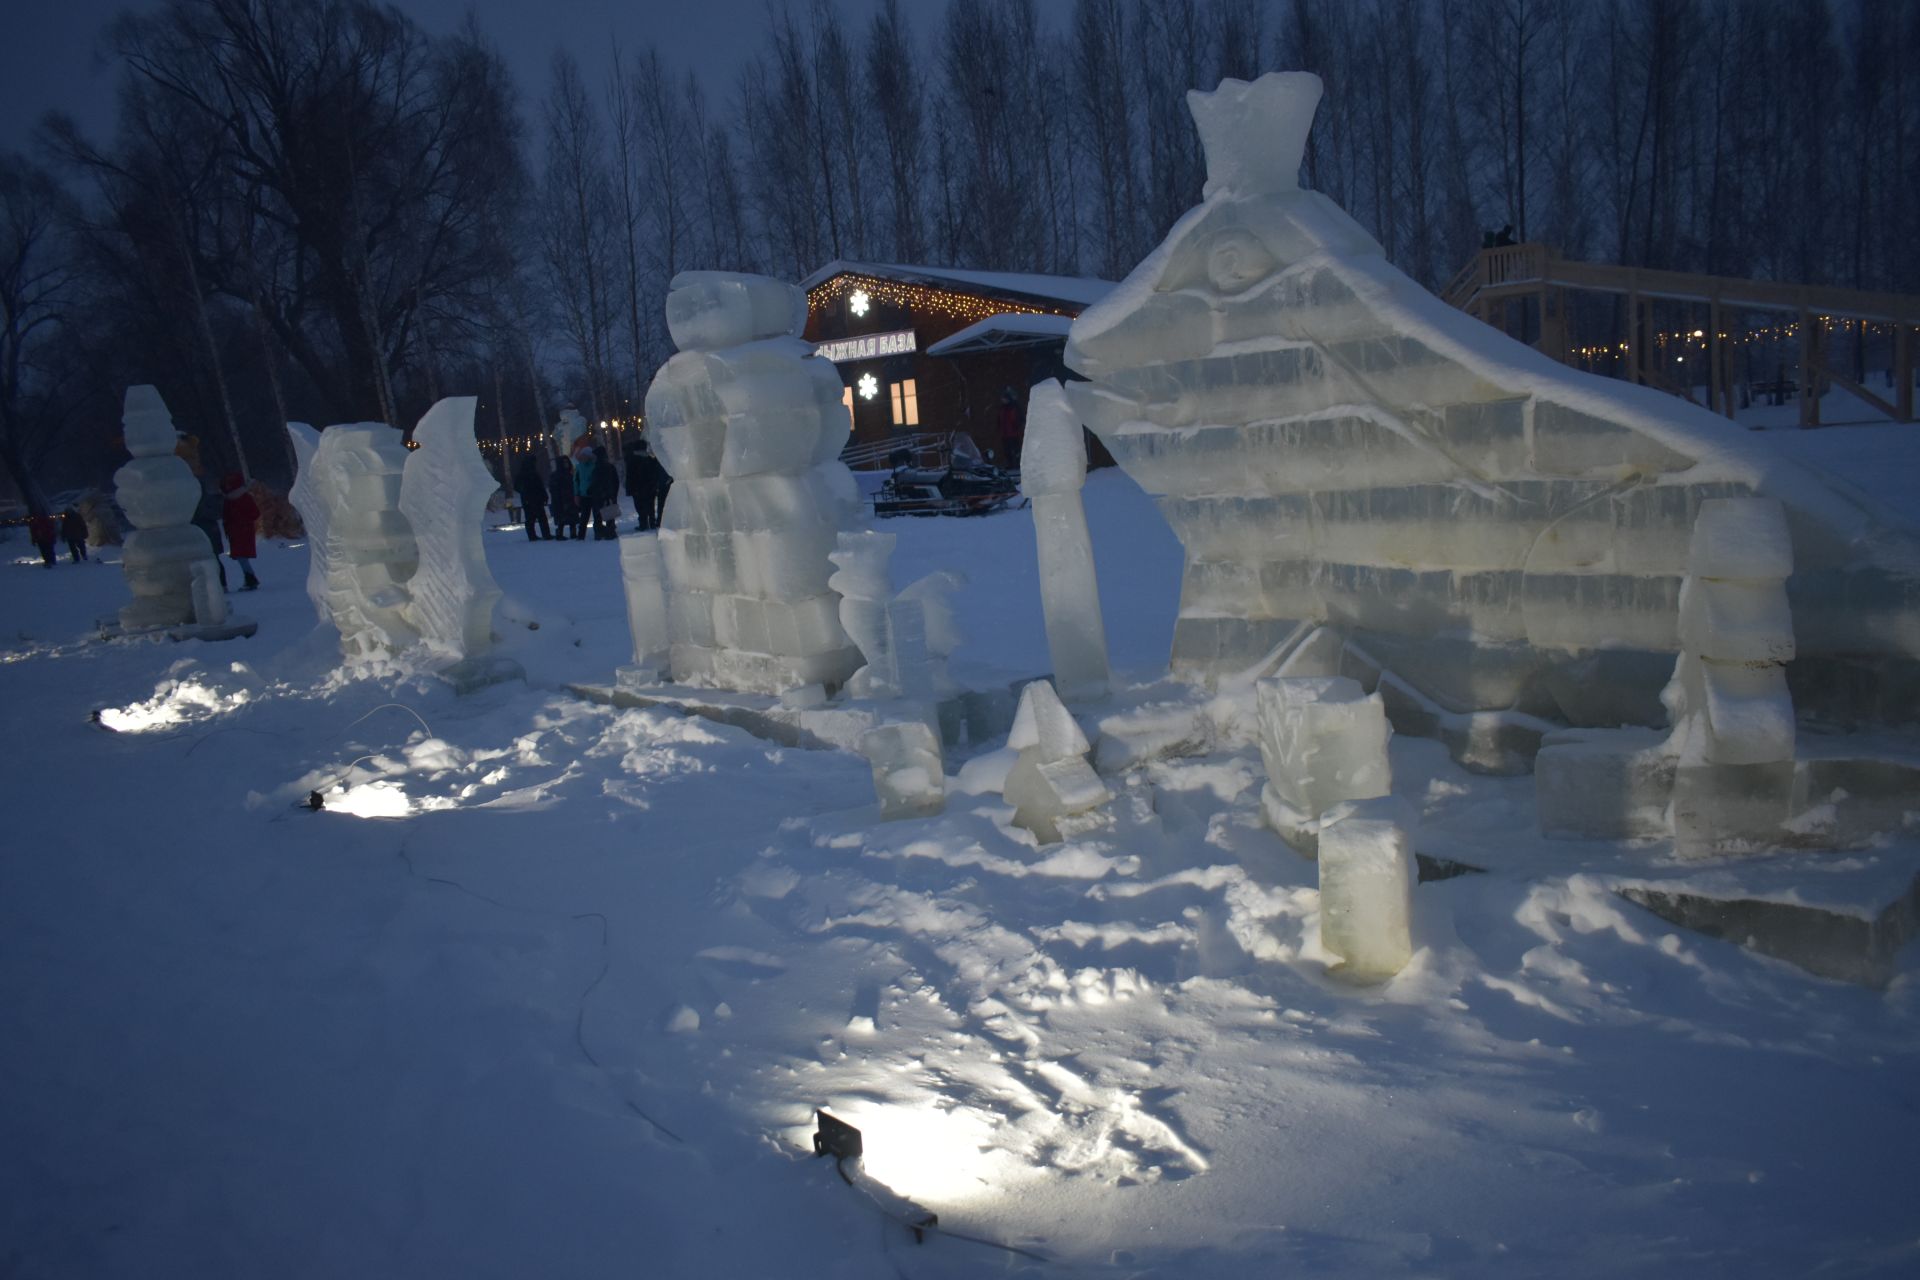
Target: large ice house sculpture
[(1333, 444), (751, 426)]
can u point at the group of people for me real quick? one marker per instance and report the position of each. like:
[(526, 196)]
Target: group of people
[(228, 510), (45, 531), (584, 488)]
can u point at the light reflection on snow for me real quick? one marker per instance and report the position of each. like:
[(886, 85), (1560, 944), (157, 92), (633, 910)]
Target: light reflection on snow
[(175, 702), (383, 800)]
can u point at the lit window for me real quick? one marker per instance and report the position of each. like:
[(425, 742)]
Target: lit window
[(846, 398), (906, 404)]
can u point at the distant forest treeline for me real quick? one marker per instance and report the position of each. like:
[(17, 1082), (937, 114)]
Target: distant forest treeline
[(312, 209)]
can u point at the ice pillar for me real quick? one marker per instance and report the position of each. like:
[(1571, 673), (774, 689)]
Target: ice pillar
[(1366, 891), (646, 609), (1323, 741), (1733, 714), (1053, 468), (158, 492)]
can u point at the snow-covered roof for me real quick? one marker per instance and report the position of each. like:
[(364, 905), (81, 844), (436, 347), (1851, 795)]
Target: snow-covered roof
[(1076, 291), (995, 333)]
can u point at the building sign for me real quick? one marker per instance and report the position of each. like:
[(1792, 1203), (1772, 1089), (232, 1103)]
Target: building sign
[(870, 346)]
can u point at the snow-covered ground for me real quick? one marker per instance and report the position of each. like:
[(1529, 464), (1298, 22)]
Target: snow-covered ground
[(552, 989)]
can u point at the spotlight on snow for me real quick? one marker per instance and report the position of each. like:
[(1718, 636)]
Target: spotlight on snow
[(921, 1150)]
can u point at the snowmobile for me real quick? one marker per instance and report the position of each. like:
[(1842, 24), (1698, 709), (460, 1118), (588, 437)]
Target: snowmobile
[(965, 485)]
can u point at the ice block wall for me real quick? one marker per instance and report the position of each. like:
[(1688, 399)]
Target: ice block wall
[(1332, 443), (751, 426)]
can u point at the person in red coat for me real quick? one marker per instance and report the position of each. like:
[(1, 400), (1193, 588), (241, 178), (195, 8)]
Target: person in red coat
[(240, 515), (42, 529)]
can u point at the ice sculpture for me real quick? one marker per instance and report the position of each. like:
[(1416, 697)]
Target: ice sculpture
[(1053, 469), (861, 580), (1053, 790), (444, 491), (906, 638), (1323, 740), (909, 773), (395, 557), (158, 492), (751, 426), (1333, 444), (362, 549), (569, 428), (646, 610), (1367, 875)]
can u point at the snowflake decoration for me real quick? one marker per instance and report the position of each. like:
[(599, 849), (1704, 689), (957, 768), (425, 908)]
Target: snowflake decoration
[(857, 302), (869, 386)]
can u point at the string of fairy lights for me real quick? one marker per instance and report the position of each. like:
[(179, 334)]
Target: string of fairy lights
[(1679, 343), (921, 299)]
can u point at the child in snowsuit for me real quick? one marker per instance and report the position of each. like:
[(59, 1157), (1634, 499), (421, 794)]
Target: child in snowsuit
[(74, 530), (240, 515)]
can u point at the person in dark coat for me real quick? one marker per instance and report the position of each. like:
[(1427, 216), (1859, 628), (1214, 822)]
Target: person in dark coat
[(206, 518), (603, 495), (532, 488), (42, 529), (560, 491), (240, 517), (74, 530), (647, 481)]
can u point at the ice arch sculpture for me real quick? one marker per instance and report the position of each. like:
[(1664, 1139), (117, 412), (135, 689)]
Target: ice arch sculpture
[(1334, 445)]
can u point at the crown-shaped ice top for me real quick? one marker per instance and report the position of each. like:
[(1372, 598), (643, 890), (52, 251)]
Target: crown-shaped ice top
[(1255, 133)]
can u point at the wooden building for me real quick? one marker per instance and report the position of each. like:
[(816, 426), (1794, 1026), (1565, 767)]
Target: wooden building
[(927, 349)]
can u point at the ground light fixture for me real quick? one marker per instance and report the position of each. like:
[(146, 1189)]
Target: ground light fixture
[(835, 1137)]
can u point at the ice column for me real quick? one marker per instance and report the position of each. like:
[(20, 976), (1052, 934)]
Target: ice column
[(444, 491), (646, 610), (1053, 790), (1053, 468), (1323, 740), (1733, 714), (909, 773), (1367, 874), (158, 492), (751, 426)]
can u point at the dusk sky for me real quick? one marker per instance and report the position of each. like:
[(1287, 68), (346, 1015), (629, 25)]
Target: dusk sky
[(50, 60)]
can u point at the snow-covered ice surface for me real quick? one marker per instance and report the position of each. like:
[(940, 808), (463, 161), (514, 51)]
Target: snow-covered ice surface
[(552, 989)]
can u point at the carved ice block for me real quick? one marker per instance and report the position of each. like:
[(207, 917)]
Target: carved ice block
[(1323, 741), (909, 775), (1367, 875)]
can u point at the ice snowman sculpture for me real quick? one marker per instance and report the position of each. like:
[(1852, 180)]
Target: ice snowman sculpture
[(750, 424), (158, 492)]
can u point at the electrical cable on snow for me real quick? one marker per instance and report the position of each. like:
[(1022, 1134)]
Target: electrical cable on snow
[(840, 1167), (580, 1014)]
